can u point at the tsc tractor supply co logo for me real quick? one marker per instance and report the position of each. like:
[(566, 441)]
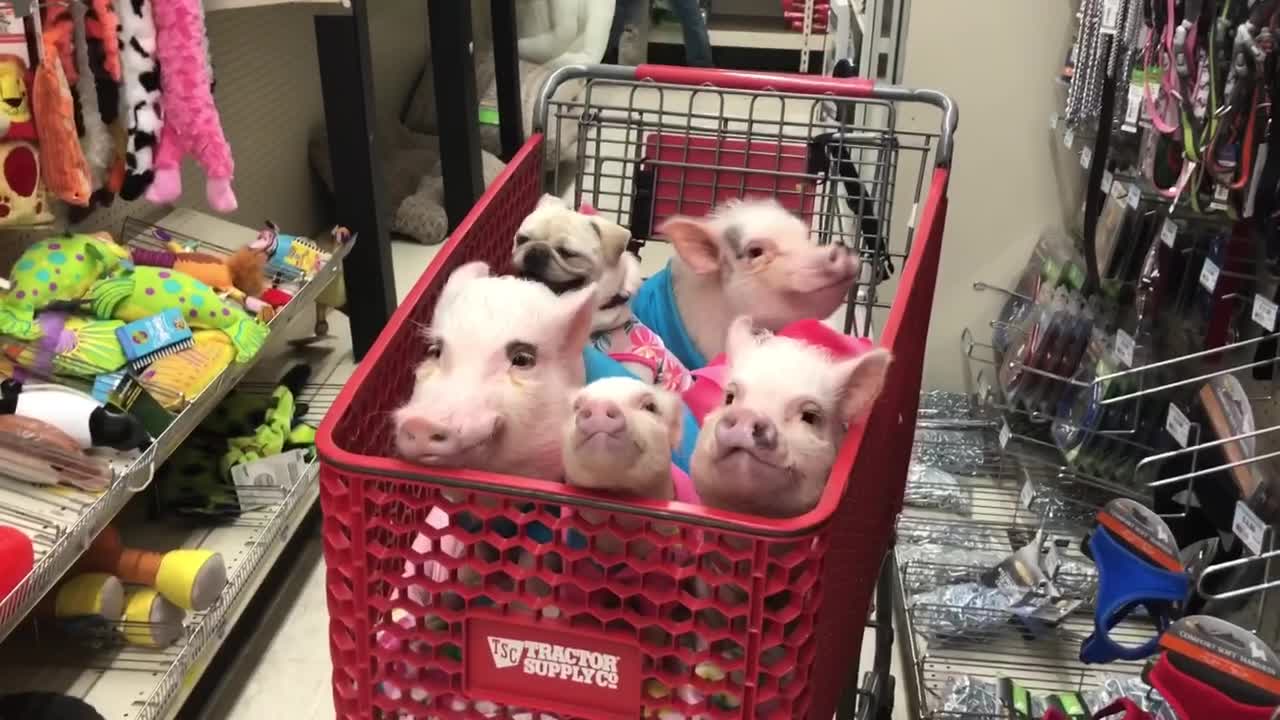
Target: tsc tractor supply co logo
[(549, 660)]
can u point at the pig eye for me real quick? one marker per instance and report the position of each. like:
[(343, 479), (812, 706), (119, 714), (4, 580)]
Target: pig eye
[(811, 417), (728, 397), (755, 251), (650, 406), (522, 355), (435, 348)]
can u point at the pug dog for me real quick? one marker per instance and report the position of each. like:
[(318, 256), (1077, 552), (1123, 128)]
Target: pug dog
[(566, 250)]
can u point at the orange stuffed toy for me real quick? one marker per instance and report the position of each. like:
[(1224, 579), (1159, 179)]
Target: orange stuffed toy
[(65, 169)]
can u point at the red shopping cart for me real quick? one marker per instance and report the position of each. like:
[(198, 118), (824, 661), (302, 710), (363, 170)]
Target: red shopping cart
[(461, 594)]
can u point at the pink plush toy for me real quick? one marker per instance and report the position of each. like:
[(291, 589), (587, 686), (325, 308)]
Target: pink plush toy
[(708, 385), (191, 122)]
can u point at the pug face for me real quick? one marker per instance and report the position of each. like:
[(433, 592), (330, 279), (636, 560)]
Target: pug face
[(567, 250)]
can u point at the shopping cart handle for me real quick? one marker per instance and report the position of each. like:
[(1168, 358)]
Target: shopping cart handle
[(856, 87)]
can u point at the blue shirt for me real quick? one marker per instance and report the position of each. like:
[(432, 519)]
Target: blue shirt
[(654, 304), (600, 365)]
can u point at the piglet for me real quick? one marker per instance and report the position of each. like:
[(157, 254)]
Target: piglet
[(503, 357), (750, 257), (620, 439), (767, 450)]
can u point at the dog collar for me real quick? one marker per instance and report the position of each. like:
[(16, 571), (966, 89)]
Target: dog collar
[(1193, 699), (1126, 581), (1121, 709)]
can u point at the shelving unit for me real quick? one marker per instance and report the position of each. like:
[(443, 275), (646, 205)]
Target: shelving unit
[(144, 684), (742, 32)]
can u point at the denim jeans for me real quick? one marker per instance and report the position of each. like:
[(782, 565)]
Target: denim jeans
[(697, 43)]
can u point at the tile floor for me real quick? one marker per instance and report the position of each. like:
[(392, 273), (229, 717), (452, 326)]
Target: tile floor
[(284, 671)]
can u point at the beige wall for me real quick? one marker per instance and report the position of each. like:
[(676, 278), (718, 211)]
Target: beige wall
[(999, 59)]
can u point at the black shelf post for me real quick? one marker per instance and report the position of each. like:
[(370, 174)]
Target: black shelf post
[(346, 82), (457, 109), (506, 61)]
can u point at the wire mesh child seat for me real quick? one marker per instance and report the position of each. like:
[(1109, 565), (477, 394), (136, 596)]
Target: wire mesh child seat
[(462, 594)]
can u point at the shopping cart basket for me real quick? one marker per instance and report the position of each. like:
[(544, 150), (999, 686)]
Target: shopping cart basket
[(461, 594)]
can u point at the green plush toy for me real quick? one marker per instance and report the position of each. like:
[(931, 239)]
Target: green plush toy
[(145, 291), (57, 269)]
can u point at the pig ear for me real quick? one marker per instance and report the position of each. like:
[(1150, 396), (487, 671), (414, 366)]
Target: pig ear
[(613, 238), (576, 310), (694, 243), (549, 200), (860, 380), (743, 336), (459, 277)]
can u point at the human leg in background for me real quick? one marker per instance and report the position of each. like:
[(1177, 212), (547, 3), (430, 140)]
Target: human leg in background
[(697, 43), (627, 13)]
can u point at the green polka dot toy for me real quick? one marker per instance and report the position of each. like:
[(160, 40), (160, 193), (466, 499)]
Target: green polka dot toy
[(58, 269), (144, 291)]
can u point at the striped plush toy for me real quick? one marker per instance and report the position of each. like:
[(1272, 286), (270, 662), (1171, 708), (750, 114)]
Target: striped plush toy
[(141, 85), (191, 122)]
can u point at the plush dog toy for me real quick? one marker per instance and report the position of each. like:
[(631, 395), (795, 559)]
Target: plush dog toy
[(141, 84), (190, 578), (191, 122)]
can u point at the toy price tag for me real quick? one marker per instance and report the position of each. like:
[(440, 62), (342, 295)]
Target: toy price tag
[(1169, 232), (1133, 111), (1209, 275), (1069, 137), (1135, 195), (1086, 158), (1249, 527), (1178, 426), (1053, 121), (1221, 194), (1005, 433), (1107, 179), (984, 388), (1264, 313), (1027, 495), (1124, 347)]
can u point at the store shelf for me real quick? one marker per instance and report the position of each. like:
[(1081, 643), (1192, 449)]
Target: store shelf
[(218, 5), (742, 32), (131, 683), (63, 521)]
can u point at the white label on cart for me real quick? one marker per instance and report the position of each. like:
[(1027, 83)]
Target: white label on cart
[(1005, 433), (1107, 179), (1178, 425), (1209, 275), (1249, 527), (1053, 121), (1027, 495), (1124, 347), (1135, 195), (1169, 232), (1110, 16), (1069, 137), (1086, 158), (1264, 313)]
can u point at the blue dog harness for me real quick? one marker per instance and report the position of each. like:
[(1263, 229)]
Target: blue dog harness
[(654, 304), (1125, 581)]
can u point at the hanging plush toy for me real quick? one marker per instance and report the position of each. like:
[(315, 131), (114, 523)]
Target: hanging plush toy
[(97, 142), (65, 169), (61, 268), (147, 291), (191, 122), (22, 189), (141, 83)]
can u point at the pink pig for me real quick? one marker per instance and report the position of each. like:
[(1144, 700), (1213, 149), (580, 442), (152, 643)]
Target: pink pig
[(750, 257), (767, 450), (503, 357)]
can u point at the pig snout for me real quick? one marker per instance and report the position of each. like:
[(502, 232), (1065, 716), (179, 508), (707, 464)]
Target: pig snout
[(745, 429), (422, 437), (600, 416), (838, 262)]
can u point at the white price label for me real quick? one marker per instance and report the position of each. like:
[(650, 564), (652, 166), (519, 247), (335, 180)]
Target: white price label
[(1069, 137), (1027, 495), (1005, 433), (1086, 158), (1169, 232), (984, 388), (1124, 347), (1249, 527), (1053, 121), (1135, 195), (1107, 179), (1110, 17), (1264, 313), (1209, 275), (1178, 425), (1133, 111)]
